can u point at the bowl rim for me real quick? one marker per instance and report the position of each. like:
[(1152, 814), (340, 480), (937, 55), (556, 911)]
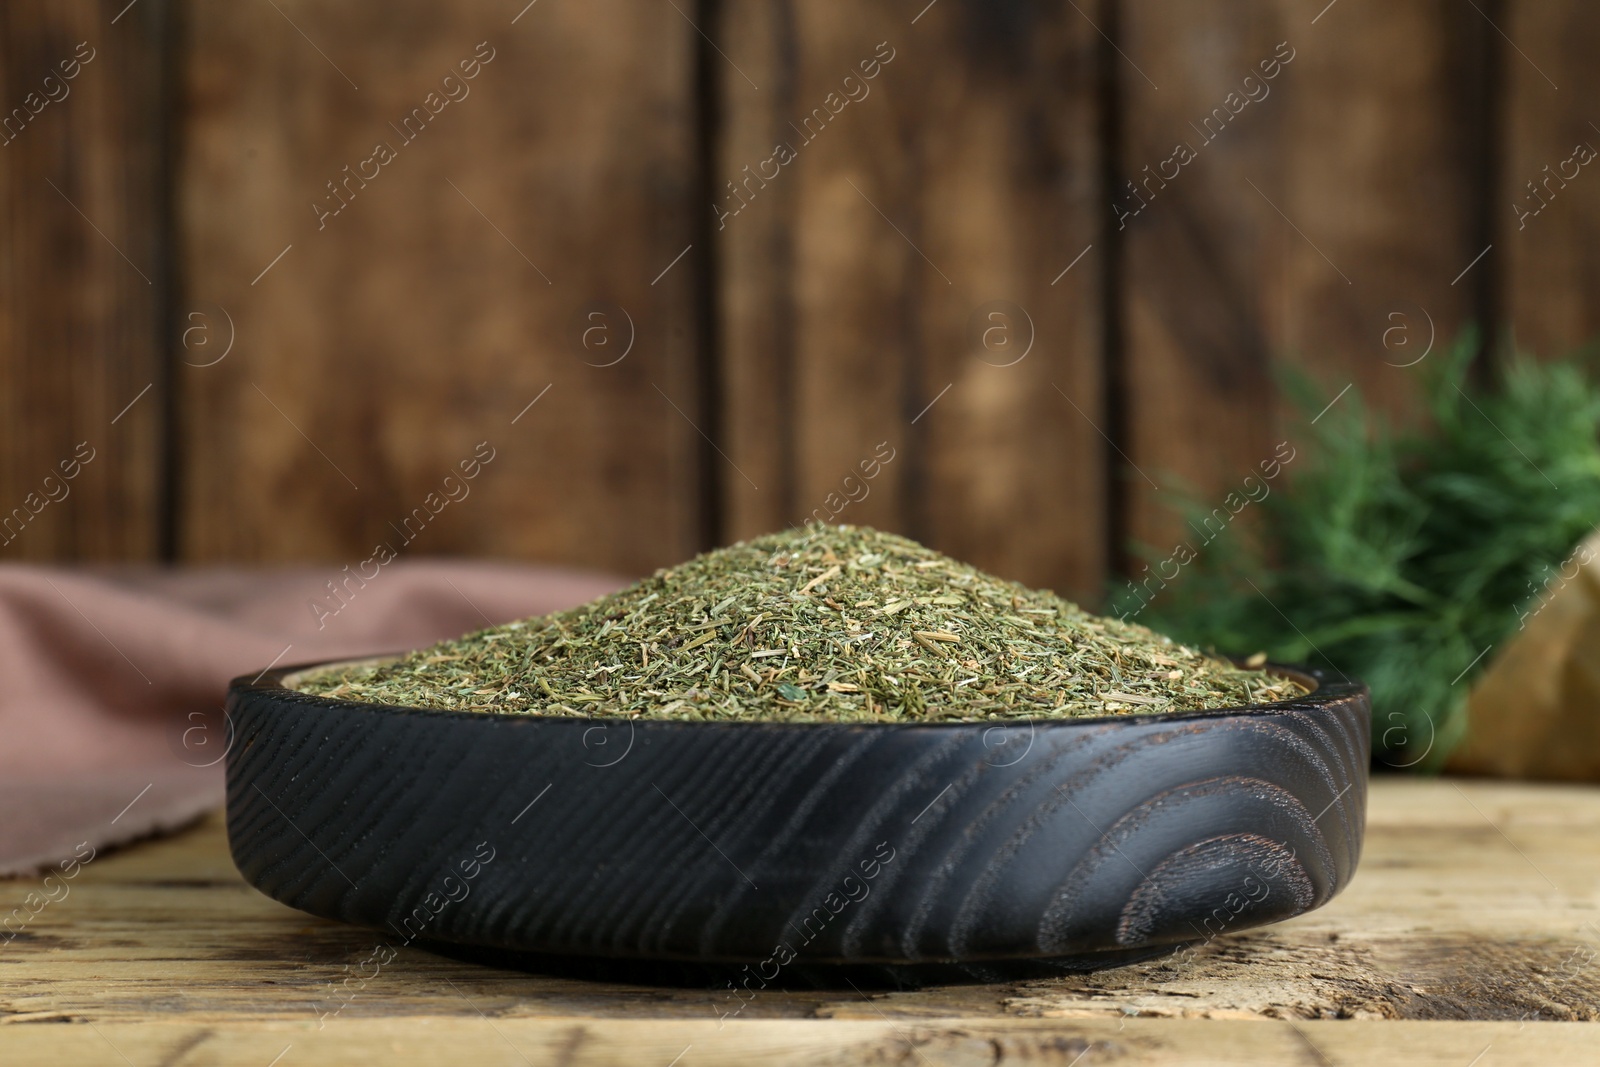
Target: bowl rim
[(1329, 688)]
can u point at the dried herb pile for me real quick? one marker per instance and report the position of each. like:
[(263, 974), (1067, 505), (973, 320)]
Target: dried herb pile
[(822, 624)]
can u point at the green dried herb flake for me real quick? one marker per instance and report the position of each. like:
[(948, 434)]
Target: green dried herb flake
[(840, 624)]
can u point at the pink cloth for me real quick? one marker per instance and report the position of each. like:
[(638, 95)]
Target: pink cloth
[(112, 680)]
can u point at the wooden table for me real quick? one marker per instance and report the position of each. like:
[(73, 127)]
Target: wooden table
[(1471, 936)]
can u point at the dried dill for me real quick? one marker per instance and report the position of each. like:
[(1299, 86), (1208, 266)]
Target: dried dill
[(823, 624)]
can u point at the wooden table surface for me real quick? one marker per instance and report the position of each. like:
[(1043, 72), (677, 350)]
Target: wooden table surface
[(1470, 938)]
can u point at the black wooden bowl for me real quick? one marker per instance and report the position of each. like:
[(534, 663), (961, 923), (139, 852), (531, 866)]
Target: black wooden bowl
[(1088, 841)]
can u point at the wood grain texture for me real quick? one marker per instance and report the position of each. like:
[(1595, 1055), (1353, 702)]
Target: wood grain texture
[(166, 950), (1547, 232), (746, 843), (587, 1042), (1320, 220), (900, 278), (82, 271), (1332, 222), (446, 288)]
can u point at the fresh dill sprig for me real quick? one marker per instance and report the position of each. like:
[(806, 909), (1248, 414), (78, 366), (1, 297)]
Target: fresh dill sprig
[(1404, 557)]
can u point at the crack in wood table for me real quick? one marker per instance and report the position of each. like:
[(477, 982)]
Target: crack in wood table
[(1469, 938)]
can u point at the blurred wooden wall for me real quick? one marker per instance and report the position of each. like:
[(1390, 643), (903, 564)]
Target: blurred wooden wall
[(593, 254)]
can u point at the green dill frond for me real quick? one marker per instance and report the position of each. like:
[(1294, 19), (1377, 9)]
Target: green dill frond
[(1404, 556)]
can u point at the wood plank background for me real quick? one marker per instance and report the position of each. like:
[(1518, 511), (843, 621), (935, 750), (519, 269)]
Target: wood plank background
[(446, 293), (730, 252), (84, 281)]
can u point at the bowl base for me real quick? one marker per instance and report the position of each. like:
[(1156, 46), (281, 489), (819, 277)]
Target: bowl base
[(686, 974)]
